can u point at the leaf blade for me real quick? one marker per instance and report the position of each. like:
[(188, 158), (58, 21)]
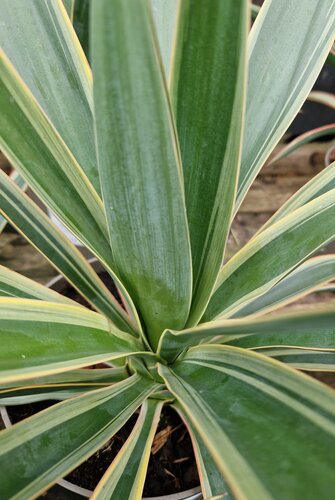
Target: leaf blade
[(149, 234), (209, 69)]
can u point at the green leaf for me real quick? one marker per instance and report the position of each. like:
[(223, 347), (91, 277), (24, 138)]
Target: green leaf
[(303, 280), (270, 429), (165, 14), (302, 359), (21, 183), (13, 284), (282, 71), (324, 98), (53, 66), (208, 94), (302, 139), (305, 328), (126, 475), (212, 482), (36, 150), (139, 164), (318, 185), (59, 386), (26, 216), (37, 452), (42, 338), (272, 254)]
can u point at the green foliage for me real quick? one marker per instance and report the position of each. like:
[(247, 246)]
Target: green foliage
[(145, 162)]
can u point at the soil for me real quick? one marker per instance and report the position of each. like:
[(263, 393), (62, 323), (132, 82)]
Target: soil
[(172, 466)]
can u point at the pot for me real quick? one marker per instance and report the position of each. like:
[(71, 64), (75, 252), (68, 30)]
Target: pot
[(59, 284)]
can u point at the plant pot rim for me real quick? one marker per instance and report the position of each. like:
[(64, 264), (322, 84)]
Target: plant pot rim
[(57, 283)]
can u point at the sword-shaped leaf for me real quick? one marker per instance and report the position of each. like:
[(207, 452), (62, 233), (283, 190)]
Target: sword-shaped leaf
[(43, 338), (305, 329), (272, 254), (302, 359), (208, 95), (318, 185), (27, 217), (126, 475), (211, 479), (139, 164), (282, 71), (37, 452), (40, 42), (303, 280), (249, 409)]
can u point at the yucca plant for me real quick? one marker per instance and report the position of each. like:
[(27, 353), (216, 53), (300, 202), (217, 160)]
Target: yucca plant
[(147, 167)]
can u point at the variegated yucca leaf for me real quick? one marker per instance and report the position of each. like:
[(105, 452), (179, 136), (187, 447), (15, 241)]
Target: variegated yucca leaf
[(146, 165)]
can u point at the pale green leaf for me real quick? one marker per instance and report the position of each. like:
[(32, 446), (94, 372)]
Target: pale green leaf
[(270, 429), (302, 359), (126, 475), (165, 14), (318, 185), (282, 71), (139, 164), (43, 338), (40, 42), (37, 452), (305, 328), (272, 254), (304, 279), (25, 215)]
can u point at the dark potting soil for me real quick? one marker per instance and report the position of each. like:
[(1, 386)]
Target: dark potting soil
[(172, 466), (171, 469)]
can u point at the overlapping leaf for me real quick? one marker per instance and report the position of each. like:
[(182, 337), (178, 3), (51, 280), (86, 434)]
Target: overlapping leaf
[(208, 93), (139, 164)]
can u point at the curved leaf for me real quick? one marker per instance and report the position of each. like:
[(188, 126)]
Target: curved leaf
[(272, 254), (126, 475), (302, 359), (302, 139), (61, 82), (324, 98), (44, 338), (282, 71), (208, 94), (318, 185), (139, 164), (303, 280), (306, 328), (38, 451), (36, 150), (212, 482), (27, 217), (269, 428)]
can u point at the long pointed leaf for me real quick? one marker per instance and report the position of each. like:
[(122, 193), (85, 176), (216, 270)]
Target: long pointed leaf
[(305, 328), (165, 14), (38, 451), (44, 338), (212, 482), (282, 71), (303, 280), (269, 428), (318, 185), (26, 216), (272, 254), (36, 150), (208, 93), (139, 164), (125, 477), (302, 139), (302, 359), (40, 42)]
